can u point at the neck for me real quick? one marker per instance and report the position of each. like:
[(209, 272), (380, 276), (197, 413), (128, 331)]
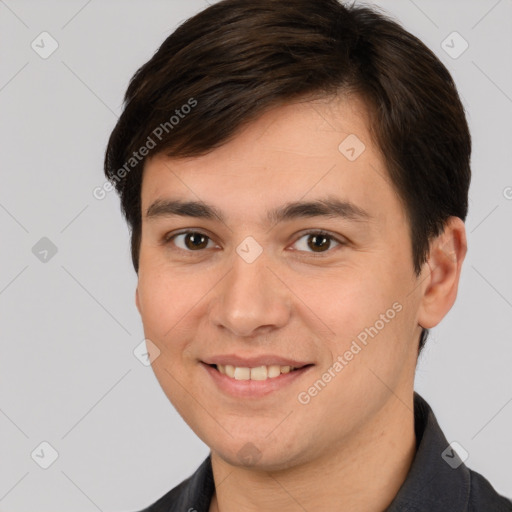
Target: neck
[(363, 473)]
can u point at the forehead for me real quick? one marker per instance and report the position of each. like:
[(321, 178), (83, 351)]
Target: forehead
[(295, 151)]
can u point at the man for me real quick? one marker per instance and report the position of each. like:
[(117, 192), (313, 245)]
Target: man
[(295, 175)]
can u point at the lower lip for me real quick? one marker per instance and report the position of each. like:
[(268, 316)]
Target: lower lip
[(253, 388)]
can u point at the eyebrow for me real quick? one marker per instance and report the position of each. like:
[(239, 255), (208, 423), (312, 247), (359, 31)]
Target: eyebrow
[(328, 207)]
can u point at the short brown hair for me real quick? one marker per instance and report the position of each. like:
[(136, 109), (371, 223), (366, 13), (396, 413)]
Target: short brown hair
[(236, 59)]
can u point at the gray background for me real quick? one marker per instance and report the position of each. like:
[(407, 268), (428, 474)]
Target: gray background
[(68, 375)]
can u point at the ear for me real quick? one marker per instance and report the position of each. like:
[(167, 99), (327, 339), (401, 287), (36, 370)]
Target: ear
[(442, 270)]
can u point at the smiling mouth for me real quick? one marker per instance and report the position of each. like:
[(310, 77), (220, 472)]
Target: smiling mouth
[(255, 373)]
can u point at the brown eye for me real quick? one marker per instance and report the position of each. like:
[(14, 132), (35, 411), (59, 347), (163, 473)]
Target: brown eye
[(190, 241), (196, 241), (318, 242)]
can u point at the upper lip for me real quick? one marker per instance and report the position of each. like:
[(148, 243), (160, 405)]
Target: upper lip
[(251, 362)]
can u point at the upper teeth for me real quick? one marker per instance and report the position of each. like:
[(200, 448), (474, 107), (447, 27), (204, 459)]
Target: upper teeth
[(257, 373)]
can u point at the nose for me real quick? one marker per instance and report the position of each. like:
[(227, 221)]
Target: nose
[(250, 300)]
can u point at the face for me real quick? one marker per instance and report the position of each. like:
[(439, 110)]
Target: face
[(298, 255)]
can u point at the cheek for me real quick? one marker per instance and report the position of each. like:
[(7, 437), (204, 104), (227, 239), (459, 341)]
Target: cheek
[(163, 301), (345, 299), (173, 305), (362, 306), (168, 305)]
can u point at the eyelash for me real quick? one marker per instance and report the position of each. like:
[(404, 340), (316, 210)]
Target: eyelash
[(167, 239)]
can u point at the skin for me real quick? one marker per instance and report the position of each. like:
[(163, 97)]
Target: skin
[(354, 441)]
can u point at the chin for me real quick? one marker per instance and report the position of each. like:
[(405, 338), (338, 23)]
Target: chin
[(259, 456)]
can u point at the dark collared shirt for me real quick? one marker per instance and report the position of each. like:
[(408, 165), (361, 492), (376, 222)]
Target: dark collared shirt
[(437, 481)]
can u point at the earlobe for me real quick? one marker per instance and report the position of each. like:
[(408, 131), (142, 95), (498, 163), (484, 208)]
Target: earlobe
[(444, 264)]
